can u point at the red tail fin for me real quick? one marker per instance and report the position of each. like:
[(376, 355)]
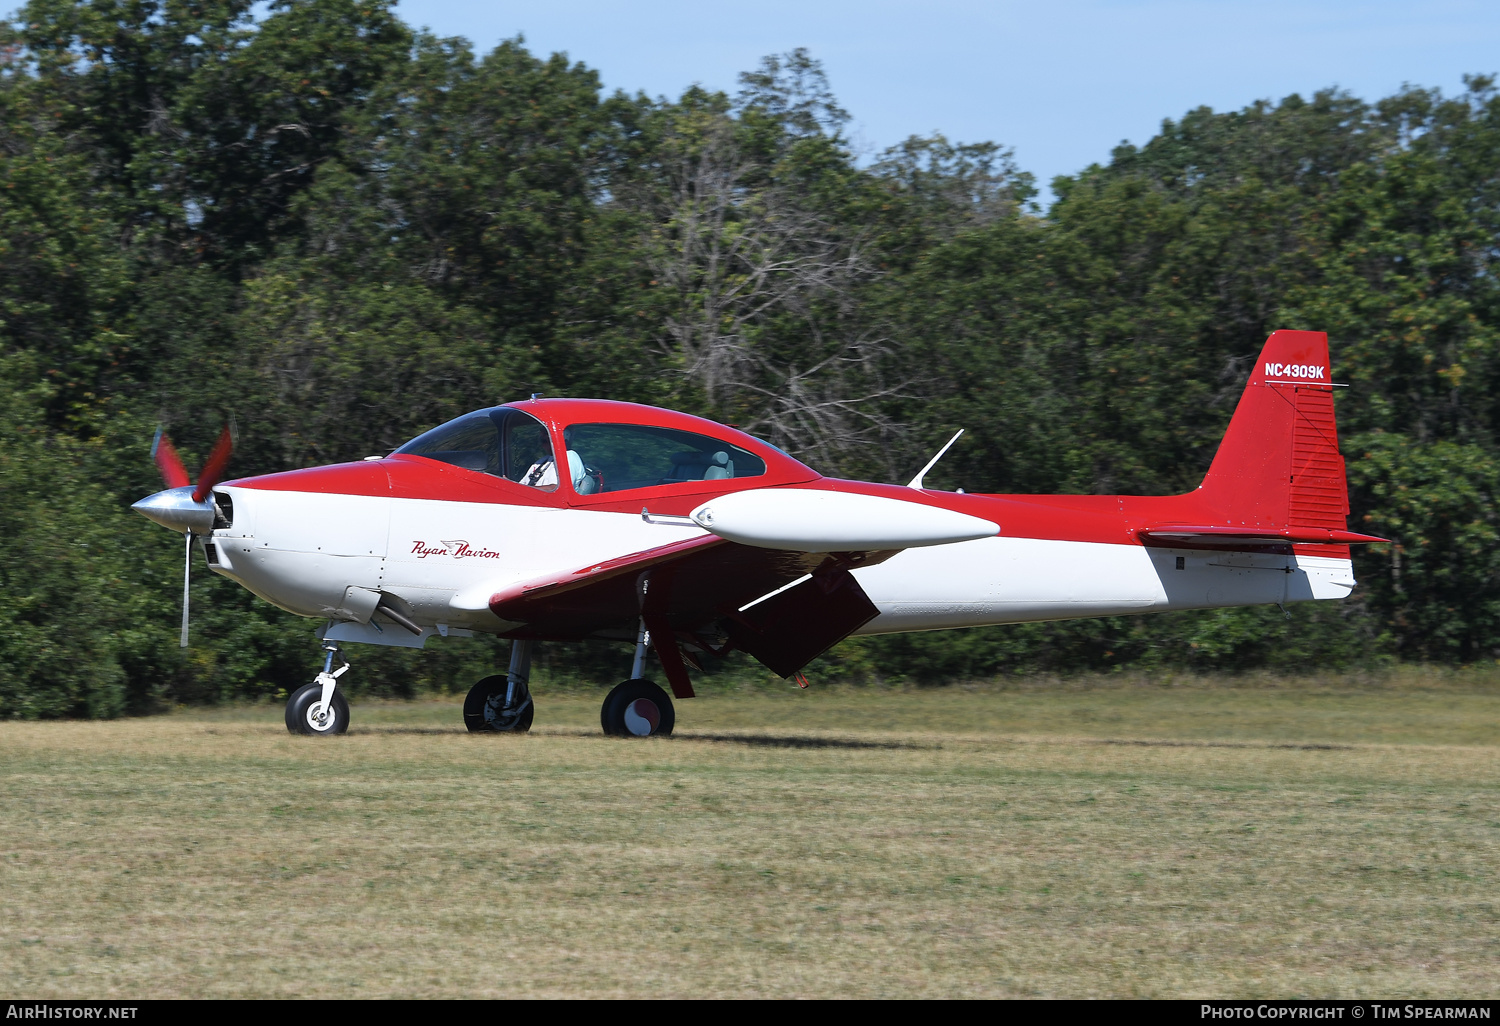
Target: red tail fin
[(1279, 463)]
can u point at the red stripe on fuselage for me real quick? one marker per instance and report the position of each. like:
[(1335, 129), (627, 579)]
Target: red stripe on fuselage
[(1106, 519), (405, 477)]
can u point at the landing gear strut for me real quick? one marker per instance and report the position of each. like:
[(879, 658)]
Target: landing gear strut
[(502, 702), (637, 707), (318, 708)]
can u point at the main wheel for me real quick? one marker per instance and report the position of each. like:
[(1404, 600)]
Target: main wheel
[(304, 712), (637, 708), (484, 708)]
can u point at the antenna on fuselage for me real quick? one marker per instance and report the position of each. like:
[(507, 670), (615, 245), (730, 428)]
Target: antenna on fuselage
[(916, 482)]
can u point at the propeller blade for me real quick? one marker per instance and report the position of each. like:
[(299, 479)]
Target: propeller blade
[(168, 462), (213, 467), (187, 580)]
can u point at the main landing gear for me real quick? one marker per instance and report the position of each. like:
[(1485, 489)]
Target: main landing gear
[(502, 702), (637, 707), (318, 708)]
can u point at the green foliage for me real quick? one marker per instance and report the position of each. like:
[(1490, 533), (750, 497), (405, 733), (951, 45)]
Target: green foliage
[(1438, 586), (339, 232), (57, 656)]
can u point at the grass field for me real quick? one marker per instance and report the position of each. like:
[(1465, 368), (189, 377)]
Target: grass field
[(1073, 841)]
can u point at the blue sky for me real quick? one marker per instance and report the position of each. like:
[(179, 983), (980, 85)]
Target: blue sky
[(1061, 83)]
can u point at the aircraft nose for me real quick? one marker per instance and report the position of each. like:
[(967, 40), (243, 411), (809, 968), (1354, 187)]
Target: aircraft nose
[(174, 509)]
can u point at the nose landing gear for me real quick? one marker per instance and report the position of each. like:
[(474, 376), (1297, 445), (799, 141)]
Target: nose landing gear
[(317, 708)]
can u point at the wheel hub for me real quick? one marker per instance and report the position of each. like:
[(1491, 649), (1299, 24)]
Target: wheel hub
[(317, 719), (493, 709), (642, 717), (497, 716)]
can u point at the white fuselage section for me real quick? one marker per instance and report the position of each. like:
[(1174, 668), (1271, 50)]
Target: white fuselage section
[(304, 551)]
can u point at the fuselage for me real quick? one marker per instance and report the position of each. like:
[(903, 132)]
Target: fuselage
[(429, 533)]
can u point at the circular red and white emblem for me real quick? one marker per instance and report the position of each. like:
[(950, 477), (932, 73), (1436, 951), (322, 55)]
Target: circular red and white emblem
[(642, 717)]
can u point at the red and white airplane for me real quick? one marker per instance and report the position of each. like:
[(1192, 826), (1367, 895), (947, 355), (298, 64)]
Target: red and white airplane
[(562, 519)]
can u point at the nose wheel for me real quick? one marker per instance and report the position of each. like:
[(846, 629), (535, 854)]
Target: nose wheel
[(637, 708), (306, 713), (318, 708)]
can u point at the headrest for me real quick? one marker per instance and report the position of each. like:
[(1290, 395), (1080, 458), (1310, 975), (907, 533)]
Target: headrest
[(700, 459)]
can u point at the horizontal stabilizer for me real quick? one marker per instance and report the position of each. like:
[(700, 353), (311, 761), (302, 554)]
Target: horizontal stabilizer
[(1167, 535)]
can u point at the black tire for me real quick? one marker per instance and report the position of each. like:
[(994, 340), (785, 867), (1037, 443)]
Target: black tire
[(479, 712), (618, 718), (303, 705)]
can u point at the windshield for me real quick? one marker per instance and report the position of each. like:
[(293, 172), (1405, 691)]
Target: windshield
[(502, 442), (615, 457)]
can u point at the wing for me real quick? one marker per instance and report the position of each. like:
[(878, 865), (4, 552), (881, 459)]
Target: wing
[(782, 607), (694, 579)]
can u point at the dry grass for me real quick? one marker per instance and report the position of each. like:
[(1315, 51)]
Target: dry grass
[(1125, 841)]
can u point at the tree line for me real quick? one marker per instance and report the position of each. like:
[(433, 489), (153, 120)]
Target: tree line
[(337, 232)]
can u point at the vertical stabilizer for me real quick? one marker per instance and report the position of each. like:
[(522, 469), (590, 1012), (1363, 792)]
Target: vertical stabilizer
[(1279, 463)]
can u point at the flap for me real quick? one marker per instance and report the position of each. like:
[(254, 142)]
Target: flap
[(791, 629)]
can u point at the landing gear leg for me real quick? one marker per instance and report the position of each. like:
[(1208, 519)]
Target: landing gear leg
[(638, 708), (503, 702), (642, 649), (318, 708)]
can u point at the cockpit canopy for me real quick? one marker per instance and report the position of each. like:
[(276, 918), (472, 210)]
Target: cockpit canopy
[(599, 457), (617, 457), (501, 441)]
